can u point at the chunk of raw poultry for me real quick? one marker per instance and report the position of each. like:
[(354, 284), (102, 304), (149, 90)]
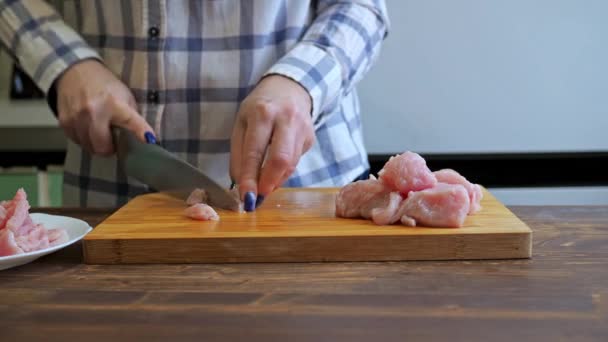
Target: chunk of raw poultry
[(197, 196), (408, 192), (8, 244), (450, 176), (3, 214), (16, 213), (369, 199), (19, 234), (200, 196), (358, 199), (444, 205), (385, 214), (407, 172), (201, 212), (57, 236), (35, 239)]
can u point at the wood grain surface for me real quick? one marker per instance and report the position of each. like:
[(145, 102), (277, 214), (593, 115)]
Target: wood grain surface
[(295, 225), (561, 294)]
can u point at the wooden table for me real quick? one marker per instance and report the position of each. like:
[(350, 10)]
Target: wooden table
[(559, 295)]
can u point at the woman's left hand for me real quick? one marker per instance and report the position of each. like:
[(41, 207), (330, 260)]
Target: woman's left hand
[(273, 129)]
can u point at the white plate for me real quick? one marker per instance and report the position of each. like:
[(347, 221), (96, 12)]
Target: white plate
[(75, 228)]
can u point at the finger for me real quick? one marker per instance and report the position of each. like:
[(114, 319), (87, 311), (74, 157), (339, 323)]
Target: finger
[(126, 117), (236, 150), (257, 136), (101, 138), (280, 158), (300, 149), (69, 131), (66, 123), (81, 129), (296, 158)]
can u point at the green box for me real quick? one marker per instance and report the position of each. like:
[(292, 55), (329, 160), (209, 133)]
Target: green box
[(14, 178), (55, 186)]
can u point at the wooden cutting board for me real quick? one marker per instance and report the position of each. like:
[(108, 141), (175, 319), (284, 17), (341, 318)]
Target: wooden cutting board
[(294, 225)]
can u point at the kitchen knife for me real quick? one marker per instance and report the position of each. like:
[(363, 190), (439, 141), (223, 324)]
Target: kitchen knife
[(161, 170)]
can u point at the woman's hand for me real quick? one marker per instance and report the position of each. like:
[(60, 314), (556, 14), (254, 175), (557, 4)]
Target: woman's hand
[(90, 99), (273, 129)]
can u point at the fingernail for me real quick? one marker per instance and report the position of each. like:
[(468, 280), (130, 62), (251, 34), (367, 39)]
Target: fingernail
[(259, 201), (150, 138), (232, 185), (249, 201)]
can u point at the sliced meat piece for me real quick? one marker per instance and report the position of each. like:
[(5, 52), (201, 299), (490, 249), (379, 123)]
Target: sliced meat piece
[(8, 245), (408, 221), (36, 239), (201, 212), (387, 214), (3, 216), (450, 176), (359, 198), (5, 213), (26, 227), (445, 205), (57, 236), (19, 234), (18, 212), (201, 196), (407, 172), (197, 196)]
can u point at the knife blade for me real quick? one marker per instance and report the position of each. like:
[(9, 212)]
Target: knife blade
[(153, 165)]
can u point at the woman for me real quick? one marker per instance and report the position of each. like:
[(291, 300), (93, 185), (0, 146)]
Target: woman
[(260, 92)]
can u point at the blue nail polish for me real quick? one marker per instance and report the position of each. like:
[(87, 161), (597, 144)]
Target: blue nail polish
[(150, 138), (249, 201), (259, 201)]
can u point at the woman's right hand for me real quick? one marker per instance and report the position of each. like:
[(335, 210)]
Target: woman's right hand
[(90, 99)]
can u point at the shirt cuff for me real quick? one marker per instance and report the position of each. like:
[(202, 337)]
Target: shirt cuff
[(45, 77), (315, 70)]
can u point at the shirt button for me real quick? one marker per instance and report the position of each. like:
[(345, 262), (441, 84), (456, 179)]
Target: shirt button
[(153, 32), (153, 96)]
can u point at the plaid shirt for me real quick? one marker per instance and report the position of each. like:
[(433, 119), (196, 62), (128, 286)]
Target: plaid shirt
[(190, 63)]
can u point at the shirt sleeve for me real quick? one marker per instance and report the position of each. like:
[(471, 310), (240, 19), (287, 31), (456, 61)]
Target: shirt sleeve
[(336, 51), (43, 45)]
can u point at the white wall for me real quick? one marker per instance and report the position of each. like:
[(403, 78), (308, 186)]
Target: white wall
[(490, 76)]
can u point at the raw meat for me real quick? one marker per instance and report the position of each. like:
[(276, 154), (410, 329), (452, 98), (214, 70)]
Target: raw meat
[(8, 245), (385, 215), (450, 176), (197, 196), (407, 172), (370, 199), (4, 214), (358, 199), (57, 236), (35, 239), (18, 212), (201, 212), (445, 205), (19, 234), (407, 192)]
